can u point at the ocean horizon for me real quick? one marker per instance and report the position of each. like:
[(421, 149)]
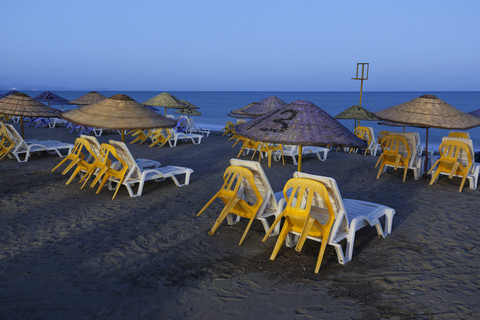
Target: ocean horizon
[(215, 105)]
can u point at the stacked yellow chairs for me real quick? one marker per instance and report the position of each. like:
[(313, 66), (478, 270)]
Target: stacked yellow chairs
[(228, 129), (269, 149), (302, 216), (104, 169), (231, 194), (450, 161), (391, 155), (249, 144), (6, 143), (75, 156), (141, 135), (160, 136), (5, 117), (82, 162)]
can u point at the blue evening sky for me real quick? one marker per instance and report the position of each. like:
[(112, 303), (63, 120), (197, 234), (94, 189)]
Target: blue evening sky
[(259, 45)]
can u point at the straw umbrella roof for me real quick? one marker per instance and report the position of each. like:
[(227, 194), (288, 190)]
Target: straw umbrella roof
[(256, 109), (299, 123), (20, 104), (165, 100), (428, 111), (51, 98), (89, 98), (240, 116), (189, 112), (357, 113), (8, 93), (118, 112)]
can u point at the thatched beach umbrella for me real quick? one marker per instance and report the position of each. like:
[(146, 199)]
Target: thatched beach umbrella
[(51, 99), (165, 100), (20, 104), (428, 111), (89, 98), (119, 112), (357, 113), (299, 123), (256, 109)]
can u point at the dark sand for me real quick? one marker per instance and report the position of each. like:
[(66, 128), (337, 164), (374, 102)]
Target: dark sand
[(67, 253)]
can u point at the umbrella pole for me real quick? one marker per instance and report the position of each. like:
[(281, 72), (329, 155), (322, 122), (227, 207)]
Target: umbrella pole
[(123, 135), (426, 156), (300, 152), (21, 123)]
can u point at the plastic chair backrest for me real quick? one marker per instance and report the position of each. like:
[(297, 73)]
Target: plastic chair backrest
[(466, 154), (410, 147), (364, 133), (261, 182), (336, 200), (311, 192), (234, 178), (458, 134)]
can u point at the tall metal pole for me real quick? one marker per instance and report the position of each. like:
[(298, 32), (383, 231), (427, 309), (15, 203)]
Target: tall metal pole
[(363, 76)]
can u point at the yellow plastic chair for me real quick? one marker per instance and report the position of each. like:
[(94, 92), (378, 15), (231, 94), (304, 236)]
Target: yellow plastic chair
[(6, 144), (300, 215), (107, 171), (391, 155), (228, 129), (364, 134), (74, 156), (450, 161), (231, 195), (459, 134), (269, 149), (160, 136), (78, 159), (141, 135), (250, 145)]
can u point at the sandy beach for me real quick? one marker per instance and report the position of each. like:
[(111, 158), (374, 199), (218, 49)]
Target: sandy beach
[(67, 253)]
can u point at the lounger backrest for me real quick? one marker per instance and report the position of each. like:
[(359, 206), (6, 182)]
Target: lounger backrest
[(459, 134), (94, 145), (341, 219), (412, 144), (463, 157), (13, 134), (290, 149), (262, 183), (125, 155)]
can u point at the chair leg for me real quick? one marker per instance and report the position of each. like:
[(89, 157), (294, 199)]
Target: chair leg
[(246, 230), (208, 203), (226, 210), (272, 227), (321, 253), (380, 170), (281, 237), (307, 226)]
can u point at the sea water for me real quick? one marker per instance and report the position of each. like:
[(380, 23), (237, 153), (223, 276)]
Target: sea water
[(215, 105)]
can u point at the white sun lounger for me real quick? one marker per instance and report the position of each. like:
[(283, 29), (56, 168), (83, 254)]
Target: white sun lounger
[(350, 216), (292, 151), (27, 147), (140, 173)]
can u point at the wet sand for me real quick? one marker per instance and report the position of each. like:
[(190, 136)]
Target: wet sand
[(68, 253)]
